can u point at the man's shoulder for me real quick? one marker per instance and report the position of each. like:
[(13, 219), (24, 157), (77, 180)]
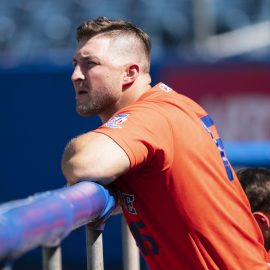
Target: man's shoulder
[(158, 92), (162, 99)]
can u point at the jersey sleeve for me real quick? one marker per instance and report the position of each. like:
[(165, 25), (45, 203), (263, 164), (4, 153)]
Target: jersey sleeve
[(142, 132)]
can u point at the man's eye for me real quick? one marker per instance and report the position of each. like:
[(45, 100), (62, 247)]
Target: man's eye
[(90, 63)]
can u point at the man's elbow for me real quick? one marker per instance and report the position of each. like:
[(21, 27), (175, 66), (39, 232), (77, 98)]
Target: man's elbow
[(71, 167), (70, 172), (71, 164), (76, 170)]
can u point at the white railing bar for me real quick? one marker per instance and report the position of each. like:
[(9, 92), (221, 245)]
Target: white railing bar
[(220, 45), (51, 258), (131, 255), (94, 249)]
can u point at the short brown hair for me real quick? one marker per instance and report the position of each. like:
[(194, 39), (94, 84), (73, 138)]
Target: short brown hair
[(91, 28), (109, 27)]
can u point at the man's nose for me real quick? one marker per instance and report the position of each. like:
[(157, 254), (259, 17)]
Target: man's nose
[(77, 74)]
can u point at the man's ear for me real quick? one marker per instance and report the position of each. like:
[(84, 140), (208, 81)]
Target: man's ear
[(262, 219), (131, 74)]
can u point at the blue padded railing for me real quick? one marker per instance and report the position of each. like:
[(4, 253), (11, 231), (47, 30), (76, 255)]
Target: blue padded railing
[(247, 153), (46, 218)]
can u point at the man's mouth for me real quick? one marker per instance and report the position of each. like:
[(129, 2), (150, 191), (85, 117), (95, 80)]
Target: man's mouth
[(81, 92)]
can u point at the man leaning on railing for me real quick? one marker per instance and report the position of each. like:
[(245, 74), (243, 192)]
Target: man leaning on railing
[(162, 154)]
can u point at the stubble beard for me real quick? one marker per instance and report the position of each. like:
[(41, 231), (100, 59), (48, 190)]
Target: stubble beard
[(96, 104)]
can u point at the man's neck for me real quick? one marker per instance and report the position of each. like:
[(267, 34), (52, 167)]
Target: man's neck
[(129, 96)]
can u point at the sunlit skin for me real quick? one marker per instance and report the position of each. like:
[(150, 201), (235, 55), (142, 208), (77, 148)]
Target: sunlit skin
[(263, 220), (103, 78), (109, 74)]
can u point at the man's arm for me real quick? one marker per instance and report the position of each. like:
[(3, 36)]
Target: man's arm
[(94, 156)]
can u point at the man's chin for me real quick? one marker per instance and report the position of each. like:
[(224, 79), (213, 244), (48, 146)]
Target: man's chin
[(85, 112)]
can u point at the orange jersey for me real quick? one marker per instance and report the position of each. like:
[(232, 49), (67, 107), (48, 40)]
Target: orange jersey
[(181, 198)]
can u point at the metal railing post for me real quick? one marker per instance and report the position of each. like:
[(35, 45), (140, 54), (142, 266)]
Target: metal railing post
[(94, 249), (131, 255), (51, 258), (204, 23), (6, 265)]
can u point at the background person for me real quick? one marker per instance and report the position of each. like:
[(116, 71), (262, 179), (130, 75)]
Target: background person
[(162, 154), (256, 184)]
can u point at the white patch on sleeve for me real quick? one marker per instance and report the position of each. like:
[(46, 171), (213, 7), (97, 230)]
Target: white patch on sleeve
[(117, 120)]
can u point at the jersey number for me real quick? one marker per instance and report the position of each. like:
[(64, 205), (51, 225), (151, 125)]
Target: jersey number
[(135, 228)]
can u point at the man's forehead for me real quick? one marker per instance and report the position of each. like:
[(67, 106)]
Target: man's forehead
[(92, 47), (101, 44)]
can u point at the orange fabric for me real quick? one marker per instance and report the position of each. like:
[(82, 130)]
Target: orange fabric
[(181, 207)]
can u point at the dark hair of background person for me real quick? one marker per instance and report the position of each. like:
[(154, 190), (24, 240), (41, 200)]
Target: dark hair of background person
[(256, 184)]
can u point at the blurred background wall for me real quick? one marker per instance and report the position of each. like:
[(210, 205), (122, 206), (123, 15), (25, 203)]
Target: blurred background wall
[(215, 51)]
